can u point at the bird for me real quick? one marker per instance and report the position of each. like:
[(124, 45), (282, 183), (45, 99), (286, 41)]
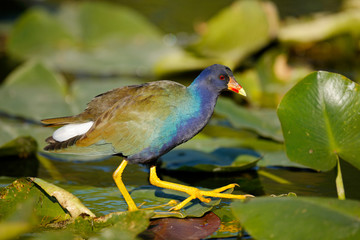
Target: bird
[(142, 122)]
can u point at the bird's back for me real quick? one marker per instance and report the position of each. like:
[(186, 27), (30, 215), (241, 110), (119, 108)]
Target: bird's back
[(135, 121)]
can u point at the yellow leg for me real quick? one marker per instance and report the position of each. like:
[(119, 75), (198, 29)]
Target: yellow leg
[(117, 176), (193, 192)]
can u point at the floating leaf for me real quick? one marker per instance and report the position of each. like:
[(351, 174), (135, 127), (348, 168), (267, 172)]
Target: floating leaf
[(48, 210), (299, 218), (264, 121), (56, 208), (19, 222), (95, 22), (31, 90), (322, 27), (237, 31), (125, 224), (320, 121), (68, 201), (189, 228), (90, 37), (47, 34), (228, 38)]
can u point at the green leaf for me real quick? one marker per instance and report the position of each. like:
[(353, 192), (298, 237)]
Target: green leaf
[(189, 228), (47, 210), (58, 209), (228, 38), (19, 222), (90, 37), (95, 23), (319, 118), (128, 226), (264, 121), (31, 90), (321, 27), (67, 201), (37, 34), (299, 218)]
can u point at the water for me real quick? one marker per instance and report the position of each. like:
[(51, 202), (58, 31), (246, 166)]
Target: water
[(92, 182)]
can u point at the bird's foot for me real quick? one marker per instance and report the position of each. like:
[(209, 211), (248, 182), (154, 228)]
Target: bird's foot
[(217, 193), (192, 191)]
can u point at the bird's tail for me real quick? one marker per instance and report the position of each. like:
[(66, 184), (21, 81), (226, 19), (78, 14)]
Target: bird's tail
[(55, 122)]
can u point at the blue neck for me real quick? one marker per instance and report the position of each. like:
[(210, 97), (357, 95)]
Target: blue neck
[(192, 116), (204, 95)]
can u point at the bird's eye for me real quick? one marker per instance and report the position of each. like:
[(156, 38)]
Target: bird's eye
[(222, 77)]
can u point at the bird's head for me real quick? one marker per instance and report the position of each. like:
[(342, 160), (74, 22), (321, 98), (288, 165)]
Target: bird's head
[(219, 78)]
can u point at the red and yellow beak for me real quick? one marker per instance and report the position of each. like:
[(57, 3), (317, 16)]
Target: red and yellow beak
[(234, 86)]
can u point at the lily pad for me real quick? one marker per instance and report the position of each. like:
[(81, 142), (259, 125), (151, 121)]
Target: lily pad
[(31, 90), (22, 220), (227, 38), (264, 121), (299, 218), (125, 224), (236, 31), (67, 201), (47, 210), (322, 27), (47, 34), (58, 209), (320, 121), (96, 38), (189, 228)]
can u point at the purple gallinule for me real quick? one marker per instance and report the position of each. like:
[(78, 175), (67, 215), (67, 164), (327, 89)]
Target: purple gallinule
[(143, 122)]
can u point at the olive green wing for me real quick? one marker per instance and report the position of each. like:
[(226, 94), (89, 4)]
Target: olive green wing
[(135, 120), (97, 106)]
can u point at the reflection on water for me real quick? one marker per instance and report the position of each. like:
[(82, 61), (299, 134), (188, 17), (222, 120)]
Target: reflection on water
[(310, 183)]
